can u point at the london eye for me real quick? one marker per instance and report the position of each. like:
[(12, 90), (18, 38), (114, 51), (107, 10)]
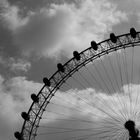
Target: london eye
[(93, 96)]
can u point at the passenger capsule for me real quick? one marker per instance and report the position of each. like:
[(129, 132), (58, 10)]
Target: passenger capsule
[(76, 55), (94, 45), (18, 135), (133, 32), (34, 98), (113, 38), (25, 116), (60, 67), (46, 82)]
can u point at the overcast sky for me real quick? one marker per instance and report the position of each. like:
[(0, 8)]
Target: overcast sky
[(37, 34)]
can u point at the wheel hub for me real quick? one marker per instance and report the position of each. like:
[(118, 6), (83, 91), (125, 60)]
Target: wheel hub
[(133, 132)]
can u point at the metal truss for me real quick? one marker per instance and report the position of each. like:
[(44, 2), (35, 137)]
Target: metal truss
[(51, 85)]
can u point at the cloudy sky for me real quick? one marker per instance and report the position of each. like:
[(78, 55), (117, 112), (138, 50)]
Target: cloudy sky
[(35, 35)]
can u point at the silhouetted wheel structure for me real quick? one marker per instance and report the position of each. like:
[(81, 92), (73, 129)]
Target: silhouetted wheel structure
[(95, 95)]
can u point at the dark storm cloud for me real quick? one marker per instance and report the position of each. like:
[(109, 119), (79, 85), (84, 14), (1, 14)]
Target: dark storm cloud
[(35, 4), (58, 30), (28, 5), (10, 55), (12, 61), (55, 31), (41, 68), (126, 5), (41, 31), (7, 45)]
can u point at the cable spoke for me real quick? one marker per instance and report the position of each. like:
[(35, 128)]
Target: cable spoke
[(92, 96)]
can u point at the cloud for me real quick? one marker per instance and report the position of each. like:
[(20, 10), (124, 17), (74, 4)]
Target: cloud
[(88, 112), (53, 33), (19, 65), (14, 98), (10, 16), (126, 5), (85, 105), (90, 100), (59, 30), (131, 8), (15, 65)]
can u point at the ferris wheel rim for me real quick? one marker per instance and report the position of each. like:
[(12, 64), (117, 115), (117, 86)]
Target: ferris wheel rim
[(25, 133)]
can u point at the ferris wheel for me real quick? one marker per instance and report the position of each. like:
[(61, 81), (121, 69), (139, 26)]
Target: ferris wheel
[(93, 96)]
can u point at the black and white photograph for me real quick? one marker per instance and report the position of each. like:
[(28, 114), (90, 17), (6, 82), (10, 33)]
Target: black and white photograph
[(69, 69)]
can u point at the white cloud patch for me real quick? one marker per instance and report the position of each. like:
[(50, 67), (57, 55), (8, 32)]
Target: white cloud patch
[(15, 65), (14, 98), (88, 105), (63, 28), (19, 65), (90, 100), (102, 114)]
